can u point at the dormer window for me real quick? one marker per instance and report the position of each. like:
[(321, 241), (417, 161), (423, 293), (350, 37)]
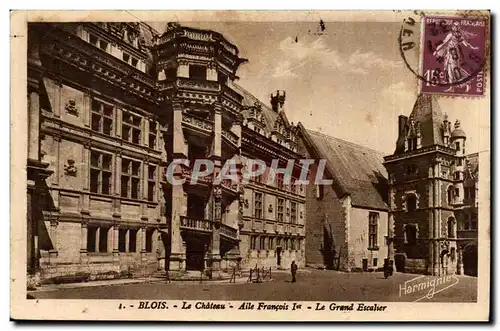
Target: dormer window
[(126, 57)]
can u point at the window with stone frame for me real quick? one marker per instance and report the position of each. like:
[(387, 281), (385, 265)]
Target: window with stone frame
[(253, 242), (131, 128), (473, 221), (292, 244), (130, 178), (280, 210), (270, 243), (293, 212), (258, 205), (410, 234), (132, 240), (122, 240), (100, 172), (197, 72), (373, 230), (97, 239), (466, 223), (102, 117), (411, 202), (262, 243), (451, 228), (279, 180), (153, 129), (149, 240), (151, 182)]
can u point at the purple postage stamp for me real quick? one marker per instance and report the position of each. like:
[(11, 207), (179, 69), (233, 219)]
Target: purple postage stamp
[(453, 55)]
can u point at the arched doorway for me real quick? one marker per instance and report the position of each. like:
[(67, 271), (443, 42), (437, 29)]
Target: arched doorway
[(469, 255)]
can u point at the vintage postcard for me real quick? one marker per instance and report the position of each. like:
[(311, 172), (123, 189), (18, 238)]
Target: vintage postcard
[(250, 165)]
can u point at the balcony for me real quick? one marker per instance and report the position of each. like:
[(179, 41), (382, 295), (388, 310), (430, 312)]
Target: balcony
[(198, 85), (230, 137), (196, 224), (229, 232), (231, 94), (197, 123)]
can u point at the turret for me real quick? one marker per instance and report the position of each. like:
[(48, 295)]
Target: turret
[(458, 142)]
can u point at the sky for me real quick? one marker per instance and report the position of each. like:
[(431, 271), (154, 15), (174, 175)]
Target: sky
[(349, 82)]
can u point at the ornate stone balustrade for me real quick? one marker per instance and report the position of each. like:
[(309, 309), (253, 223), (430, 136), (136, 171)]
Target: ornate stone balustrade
[(233, 138), (197, 122), (204, 85), (231, 94), (196, 224), (228, 231)]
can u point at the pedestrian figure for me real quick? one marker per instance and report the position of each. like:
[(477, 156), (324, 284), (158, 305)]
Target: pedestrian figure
[(293, 269)]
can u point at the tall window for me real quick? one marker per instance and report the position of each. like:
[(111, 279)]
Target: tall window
[(372, 230), (280, 210), (102, 117), (292, 244), (152, 134), (132, 240), (149, 240), (131, 178), (451, 227), (197, 72), (293, 211), (97, 239), (151, 182), (411, 234), (457, 145), (411, 202), (100, 172), (270, 243), (262, 242), (279, 181), (122, 240), (258, 205), (450, 194), (473, 221), (253, 242), (131, 128)]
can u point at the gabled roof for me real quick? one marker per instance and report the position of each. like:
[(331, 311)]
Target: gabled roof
[(356, 170)]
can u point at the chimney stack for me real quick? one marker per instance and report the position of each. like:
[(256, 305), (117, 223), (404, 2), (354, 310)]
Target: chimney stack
[(402, 121), (278, 100)]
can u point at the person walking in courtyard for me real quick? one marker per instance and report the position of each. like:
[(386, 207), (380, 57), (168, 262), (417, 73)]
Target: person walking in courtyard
[(293, 269)]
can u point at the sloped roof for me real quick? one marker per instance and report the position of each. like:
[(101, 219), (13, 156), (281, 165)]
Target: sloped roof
[(357, 170), (427, 112)]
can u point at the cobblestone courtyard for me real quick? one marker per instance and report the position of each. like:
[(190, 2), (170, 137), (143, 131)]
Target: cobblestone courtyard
[(314, 285)]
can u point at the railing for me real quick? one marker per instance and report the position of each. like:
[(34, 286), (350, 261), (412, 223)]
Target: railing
[(227, 91), (228, 183), (205, 85), (421, 150), (230, 136), (228, 231), (199, 123), (196, 224)]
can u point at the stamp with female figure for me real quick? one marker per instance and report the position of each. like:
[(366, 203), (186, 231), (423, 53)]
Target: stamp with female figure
[(453, 55)]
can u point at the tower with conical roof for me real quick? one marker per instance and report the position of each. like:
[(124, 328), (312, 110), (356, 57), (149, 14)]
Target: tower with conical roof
[(426, 191)]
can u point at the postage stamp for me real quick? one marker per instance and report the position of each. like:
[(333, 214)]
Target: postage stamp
[(222, 166), (453, 55)]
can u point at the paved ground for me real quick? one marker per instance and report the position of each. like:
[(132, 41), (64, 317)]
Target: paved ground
[(313, 285)]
